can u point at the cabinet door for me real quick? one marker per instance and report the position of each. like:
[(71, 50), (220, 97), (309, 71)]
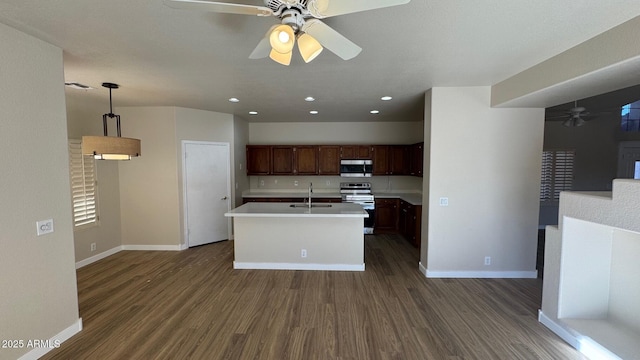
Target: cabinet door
[(398, 160), (416, 159), (258, 160), (380, 156), (329, 160), (306, 160), (386, 215), (355, 152), (403, 218), (282, 160)]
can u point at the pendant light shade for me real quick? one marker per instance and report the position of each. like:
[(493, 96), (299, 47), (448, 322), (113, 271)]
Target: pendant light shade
[(309, 47), (284, 59), (282, 39), (110, 147)]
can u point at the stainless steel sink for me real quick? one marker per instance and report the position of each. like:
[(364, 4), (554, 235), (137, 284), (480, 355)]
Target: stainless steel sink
[(307, 205)]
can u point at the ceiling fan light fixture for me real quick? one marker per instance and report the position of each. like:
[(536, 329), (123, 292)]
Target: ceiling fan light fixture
[(284, 59), (282, 39), (309, 47), (318, 7), (110, 147)]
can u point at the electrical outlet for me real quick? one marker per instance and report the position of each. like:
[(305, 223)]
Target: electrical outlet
[(44, 227), (444, 201), (303, 253), (261, 182), (487, 260), (295, 182), (328, 183), (93, 246)]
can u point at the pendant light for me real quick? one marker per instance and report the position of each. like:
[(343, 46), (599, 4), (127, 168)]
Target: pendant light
[(110, 147)]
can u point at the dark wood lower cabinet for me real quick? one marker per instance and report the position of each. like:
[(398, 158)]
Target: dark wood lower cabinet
[(410, 222), (399, 216), (386, 218)]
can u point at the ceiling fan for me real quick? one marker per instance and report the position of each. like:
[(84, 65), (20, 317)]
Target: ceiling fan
[(574, 117), (299, 20)]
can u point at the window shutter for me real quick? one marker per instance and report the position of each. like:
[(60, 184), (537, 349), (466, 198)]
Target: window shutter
[(84, 191), (556, 174)]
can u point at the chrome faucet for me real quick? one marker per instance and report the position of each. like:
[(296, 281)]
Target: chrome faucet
[(310, 191)]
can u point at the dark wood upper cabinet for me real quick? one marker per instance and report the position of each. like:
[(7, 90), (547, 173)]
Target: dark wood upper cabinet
[(305, 160), (258, 160), (282, 157), (355, 151), (380, 157), (415, 159), (329, 160), (325, 159), (398, 159)]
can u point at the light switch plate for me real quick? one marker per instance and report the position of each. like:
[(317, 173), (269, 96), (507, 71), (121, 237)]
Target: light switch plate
[(44, 227)]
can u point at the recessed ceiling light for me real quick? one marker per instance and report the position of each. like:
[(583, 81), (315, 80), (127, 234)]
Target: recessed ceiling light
[(309, 98), (374, 111), (386, 98), (313, 112), (234, 100), (75, 85), (253, 113)]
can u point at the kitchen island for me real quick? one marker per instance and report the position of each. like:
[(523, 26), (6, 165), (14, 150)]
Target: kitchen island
[(294, 236)]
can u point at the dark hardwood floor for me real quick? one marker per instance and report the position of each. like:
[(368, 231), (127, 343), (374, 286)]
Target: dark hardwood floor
[(193, 305)]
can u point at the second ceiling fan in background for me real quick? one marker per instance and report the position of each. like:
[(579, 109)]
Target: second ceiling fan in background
[(299, 22)]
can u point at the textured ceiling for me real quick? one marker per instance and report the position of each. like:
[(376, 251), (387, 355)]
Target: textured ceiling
[(166, 57)]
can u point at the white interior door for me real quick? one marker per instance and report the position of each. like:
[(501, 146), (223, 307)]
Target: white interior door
[(207, 191)]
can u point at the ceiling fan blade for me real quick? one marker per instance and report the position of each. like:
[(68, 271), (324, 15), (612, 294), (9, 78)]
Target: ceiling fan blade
[(331, 39), (219, 7), (264, 46), (325, 8)]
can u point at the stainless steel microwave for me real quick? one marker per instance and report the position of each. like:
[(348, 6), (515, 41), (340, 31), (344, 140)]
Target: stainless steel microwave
[(356, 168)]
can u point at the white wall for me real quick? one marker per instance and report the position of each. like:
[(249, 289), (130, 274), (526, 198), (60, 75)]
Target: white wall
[(37, 274), (200, 125), (151, 185), (84, 117), (241, 139), (149, 190), (486, 161), (316, 133)]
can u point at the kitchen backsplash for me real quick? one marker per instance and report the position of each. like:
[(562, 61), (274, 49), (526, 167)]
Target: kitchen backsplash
[(332, 183)]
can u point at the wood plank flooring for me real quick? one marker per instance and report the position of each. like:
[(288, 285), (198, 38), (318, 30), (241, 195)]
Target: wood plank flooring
[(193, 305)]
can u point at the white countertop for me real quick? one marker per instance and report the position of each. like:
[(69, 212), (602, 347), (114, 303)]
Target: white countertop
[(413, 198), (337, 210)]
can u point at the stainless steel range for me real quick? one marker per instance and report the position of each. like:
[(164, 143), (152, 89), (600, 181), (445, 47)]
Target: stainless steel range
[(360, 193)]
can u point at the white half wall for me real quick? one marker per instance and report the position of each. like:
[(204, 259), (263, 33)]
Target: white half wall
[(486, 162)]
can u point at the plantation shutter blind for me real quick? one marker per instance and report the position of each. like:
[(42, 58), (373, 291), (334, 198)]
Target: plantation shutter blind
[(556, 174), (83, 185)]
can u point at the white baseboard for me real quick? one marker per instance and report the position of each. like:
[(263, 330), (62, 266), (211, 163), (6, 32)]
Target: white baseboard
[(481, 274), (55, 341), (153, 247), (297, 266), (558, 329), (117, 249), (100, 256), (422, 268), (584, 344)]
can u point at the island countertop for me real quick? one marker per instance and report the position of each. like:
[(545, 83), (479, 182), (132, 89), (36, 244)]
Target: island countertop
[(336, 210)]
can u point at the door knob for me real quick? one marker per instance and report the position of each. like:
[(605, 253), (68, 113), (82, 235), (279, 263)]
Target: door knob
[(224, 198)]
